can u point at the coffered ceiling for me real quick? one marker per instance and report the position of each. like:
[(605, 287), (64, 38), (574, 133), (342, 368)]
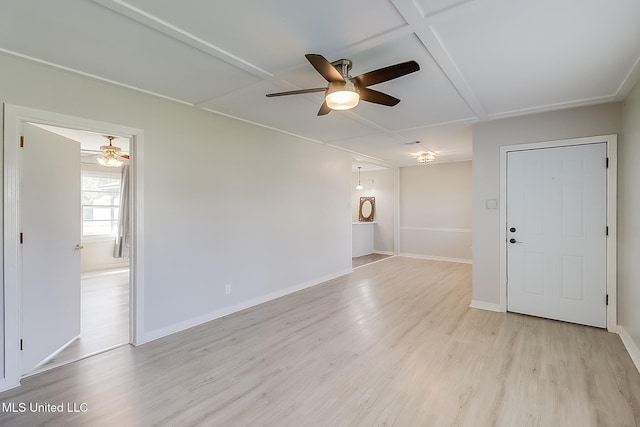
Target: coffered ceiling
[(479, 59)]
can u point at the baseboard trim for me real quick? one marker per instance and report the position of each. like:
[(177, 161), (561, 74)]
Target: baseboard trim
[(190, 323), (436, 258), (482, 305), (105, 267), (100, 273), (436, 230), (630, 345)]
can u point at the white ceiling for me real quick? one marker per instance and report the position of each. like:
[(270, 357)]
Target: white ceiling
[(89, 141), (479, 59)]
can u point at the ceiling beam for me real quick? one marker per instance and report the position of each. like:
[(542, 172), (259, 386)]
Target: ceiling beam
[(630, 80), (436, 48), (182, 36)]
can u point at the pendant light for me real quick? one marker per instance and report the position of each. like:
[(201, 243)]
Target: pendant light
[(109, 159), (359, 186)]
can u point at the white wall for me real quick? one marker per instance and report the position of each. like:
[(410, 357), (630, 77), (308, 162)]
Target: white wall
[(98, 255), (383, 189), (629, 220), (487, 139), (435, 211), (225, 201)]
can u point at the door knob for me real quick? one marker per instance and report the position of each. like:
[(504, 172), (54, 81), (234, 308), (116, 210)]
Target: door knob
[(79, 247), (512, 240)]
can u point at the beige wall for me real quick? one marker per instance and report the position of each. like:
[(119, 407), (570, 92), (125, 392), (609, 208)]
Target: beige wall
[(487, 139), (629, 219), (435, 211), (381, 185)]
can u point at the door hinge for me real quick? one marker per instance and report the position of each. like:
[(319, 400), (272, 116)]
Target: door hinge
[(606, 231), (21, 344), (607, 299), (21, 238), (21, 141), (607, 162)]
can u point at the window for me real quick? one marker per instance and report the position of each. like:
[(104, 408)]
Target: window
[(100, 202)]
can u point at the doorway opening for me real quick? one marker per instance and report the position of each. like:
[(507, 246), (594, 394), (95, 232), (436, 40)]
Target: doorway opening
[(104, 251), (15, 119), (374, 236), (570, 268)]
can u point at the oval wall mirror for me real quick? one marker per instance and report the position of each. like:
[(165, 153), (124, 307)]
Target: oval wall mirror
[(367, 209)]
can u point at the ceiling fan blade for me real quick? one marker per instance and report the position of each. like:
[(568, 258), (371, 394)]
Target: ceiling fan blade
[(297, 92), (387, 73), (324, 109), (376, 97), (324, 67)]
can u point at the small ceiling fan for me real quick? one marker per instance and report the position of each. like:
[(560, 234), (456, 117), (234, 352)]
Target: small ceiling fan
[(111, 155), (344, 92)]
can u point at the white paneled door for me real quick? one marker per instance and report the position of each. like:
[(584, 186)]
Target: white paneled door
[(556, 233), (50, 224)]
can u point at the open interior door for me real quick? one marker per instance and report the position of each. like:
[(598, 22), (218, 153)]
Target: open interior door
[(50, 249)]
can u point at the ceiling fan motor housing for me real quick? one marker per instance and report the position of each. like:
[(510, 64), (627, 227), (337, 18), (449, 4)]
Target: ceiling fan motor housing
[(343, 66)]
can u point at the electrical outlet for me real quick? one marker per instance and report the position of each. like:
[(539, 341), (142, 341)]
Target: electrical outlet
[(227, 288)]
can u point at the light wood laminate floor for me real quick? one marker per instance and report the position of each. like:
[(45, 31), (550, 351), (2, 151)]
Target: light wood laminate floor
[(393, 343), (104, 317), (359, 261)]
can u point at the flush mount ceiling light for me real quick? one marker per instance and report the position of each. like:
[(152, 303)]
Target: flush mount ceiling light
[(109, 158), (359, 186), (427, 157)]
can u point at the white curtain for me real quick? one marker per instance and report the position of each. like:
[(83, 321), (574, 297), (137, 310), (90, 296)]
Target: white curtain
[(123, 236)]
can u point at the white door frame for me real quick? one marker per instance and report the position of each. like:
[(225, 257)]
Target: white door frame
[(612, 185), (14, 117)]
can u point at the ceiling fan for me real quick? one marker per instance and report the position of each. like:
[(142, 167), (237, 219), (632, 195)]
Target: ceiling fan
[(344, 91), (111, 155)]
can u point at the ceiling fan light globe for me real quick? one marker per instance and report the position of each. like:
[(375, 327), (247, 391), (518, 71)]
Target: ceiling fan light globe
[(114, 163), (342, 95), (110, 161), (342, 100)]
